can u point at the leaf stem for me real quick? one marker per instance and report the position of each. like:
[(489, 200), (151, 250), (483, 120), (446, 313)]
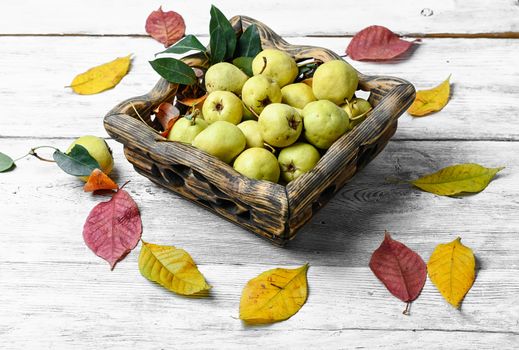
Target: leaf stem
[(407, 310), (141, 119)]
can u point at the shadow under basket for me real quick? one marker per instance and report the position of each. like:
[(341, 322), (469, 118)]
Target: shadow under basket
[(270, 210)]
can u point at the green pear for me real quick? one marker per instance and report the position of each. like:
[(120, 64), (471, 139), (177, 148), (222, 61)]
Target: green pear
[(251, 130), (324, 123), (260, 91), (297, 159), (98, 149), (280, 124), (225, 77), (257, 163), (277, 65), (222, 105), (186, 129), (221, 139), (356, 109), (297, 95), (335, 81), (247, 114)]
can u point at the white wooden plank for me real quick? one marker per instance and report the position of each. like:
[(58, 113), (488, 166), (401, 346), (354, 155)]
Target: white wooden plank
[(74, 300), (344, 233), (260, 338), (331, 17), (485, 94)]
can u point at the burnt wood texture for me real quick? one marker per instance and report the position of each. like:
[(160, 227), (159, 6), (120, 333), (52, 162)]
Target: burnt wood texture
[(270, 210)]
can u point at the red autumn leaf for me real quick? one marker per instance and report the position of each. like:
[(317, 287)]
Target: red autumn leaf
[(165, 27), (167, 114), (113, 228), (99, 181), (402, 271), (376, 43)]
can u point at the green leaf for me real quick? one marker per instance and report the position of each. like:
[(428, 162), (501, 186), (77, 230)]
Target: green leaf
[(245, 64), (189, 43), (174, 71), (457, 179), (249, 44), (77, 162), (222, 41), (6, 162)]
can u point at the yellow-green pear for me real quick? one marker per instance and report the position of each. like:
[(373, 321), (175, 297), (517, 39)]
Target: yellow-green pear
[(260, 91), (257, 163), (280, 124), (335, 81), (356, 109), (247, 114), (225, 77), (252, 132), (221, 139), (297, 159), (98, 149), (185, 129), (277, 65), (297, 95), (324, 122), (222, 105)]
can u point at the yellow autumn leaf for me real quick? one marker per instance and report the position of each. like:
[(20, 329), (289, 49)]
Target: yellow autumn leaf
[(432, 100), (275, 295), (172, 268), (456, 179), (102, 77), (452, 269)]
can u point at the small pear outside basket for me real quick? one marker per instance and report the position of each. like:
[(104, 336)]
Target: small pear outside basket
[(270, 210)]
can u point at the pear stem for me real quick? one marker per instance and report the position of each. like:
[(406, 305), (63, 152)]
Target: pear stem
[(33, 153)]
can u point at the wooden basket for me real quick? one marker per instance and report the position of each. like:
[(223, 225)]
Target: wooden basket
[(270, 210)]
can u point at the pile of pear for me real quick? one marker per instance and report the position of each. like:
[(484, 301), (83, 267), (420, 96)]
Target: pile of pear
[(245, 120)]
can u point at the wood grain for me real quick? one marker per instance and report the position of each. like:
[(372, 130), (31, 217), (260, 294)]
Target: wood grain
[(330, 17), (55, 294), (344, 233), (50, 110)]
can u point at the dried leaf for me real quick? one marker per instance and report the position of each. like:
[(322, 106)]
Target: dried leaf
[(457, 179), (275, 295), (6, 162), (433, 100), (174, 71), (167, 114), (102, 77), (172, 268), (165, 27), (192, 102), (77, 162), (99, 181), (113, 228), (222, 40), (376, 43), (402, 271), (452, 269), (188, 43)]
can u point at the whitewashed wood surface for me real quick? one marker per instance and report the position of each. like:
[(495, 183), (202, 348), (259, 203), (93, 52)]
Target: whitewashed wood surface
[(56, 294)]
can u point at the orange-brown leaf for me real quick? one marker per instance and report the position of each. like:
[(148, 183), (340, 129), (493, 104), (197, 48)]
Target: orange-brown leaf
[(191, 102), (99, 181), (167, 114), (432, 100)]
